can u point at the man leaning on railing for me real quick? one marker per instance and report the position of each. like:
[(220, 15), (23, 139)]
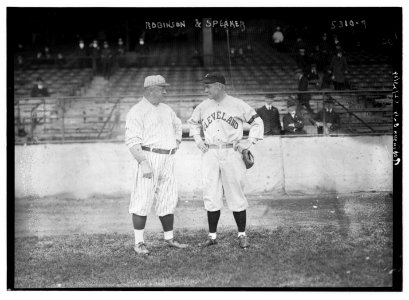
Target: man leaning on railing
[(327, 120)]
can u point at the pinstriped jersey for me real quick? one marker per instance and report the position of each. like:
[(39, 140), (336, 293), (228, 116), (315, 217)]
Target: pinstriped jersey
[(153, 126), (222, 122)]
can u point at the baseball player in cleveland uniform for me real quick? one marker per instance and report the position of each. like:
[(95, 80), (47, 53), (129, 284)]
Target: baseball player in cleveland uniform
[(223, 171), (153, 133)]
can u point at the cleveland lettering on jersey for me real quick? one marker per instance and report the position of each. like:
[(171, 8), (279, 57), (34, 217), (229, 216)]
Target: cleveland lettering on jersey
[(219, 115)]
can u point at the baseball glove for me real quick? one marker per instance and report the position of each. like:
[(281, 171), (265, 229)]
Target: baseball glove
[(248, 158)]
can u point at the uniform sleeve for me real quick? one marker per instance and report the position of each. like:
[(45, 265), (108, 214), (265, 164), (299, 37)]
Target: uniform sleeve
[(133, 129), (177, 125), (256, 123), (194, 121)]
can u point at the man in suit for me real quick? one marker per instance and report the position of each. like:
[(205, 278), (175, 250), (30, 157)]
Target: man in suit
[(271, 118), (39, 90), (303, 99), (338, 68), (327, 119), (293, 121)]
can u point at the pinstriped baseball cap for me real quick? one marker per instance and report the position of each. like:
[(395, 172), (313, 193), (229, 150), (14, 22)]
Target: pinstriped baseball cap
[(155, 80)]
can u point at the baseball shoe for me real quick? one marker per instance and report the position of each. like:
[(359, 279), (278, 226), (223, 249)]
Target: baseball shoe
[(140, 248), (244, 241), (209, 242), (175, 244)]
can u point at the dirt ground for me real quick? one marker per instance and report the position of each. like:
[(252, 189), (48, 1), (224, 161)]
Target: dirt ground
[(63, 216)]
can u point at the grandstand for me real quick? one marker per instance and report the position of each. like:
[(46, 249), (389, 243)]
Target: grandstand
[(83, 106), (60, 82)]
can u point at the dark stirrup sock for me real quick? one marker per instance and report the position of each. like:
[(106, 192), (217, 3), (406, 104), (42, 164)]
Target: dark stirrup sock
[(240, 217), (167, 222), (213, 219)]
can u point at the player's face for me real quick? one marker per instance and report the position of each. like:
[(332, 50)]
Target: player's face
[(158, 93), (212, 90)]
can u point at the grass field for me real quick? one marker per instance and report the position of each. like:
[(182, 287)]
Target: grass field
[(285, 257), (331, 241)]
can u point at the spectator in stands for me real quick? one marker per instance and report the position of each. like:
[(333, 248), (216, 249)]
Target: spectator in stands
[(324, 45), (314, 55), (315, 60), (321, 61), (19, 49), (121, 47), (39, 90), (300, 44), (81, 54), (327, 120), (278, 39), (338, 68), (47, 55), (141, 47), (95, 56), (271, 118), (303, 99), (314, 76), (293, 122), (120, 53), (39, 60), (21, 131), (336, 43), (325, 50), (106, 60), (61, 61), (302, 61), (20, 62)]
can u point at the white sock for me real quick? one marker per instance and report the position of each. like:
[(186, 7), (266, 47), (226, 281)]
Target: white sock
[(213, 235), (138, 236), (168, 235), (242, 234)]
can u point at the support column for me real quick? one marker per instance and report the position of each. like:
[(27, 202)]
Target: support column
[(207, 43)]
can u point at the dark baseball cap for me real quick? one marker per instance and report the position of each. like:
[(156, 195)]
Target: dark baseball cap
[(291, 104), (213, 78)]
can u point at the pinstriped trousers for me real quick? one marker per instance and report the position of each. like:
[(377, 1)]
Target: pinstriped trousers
[(162, 187)]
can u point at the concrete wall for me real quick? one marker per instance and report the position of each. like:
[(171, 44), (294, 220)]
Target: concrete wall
[(302, 165)]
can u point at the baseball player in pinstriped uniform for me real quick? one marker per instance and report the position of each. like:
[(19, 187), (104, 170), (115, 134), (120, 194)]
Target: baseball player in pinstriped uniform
[(223, 171), (153, 134)]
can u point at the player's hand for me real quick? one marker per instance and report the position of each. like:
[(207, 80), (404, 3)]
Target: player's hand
[(239, 148), (333, 77), (202, 146), (243, 144), (146, 169)]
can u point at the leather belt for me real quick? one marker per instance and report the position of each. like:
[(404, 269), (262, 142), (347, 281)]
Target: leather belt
[(221, 146), (160, 151)]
